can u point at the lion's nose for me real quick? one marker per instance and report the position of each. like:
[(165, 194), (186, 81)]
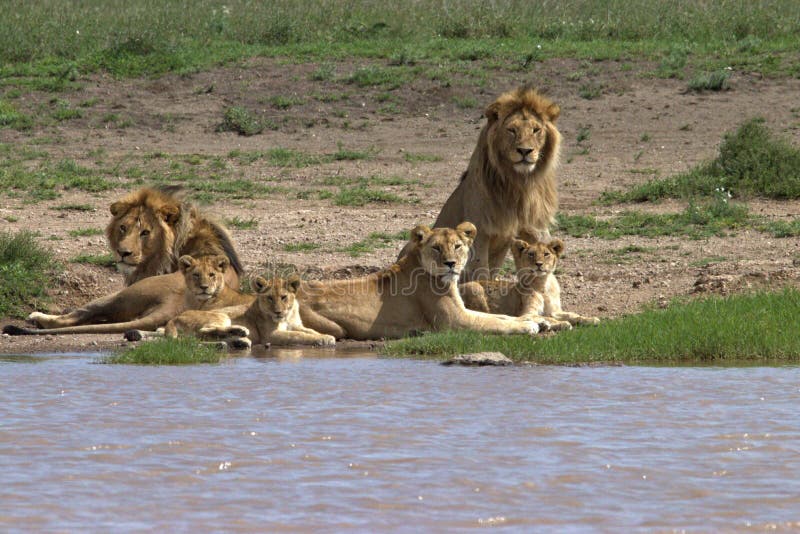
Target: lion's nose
[(124, 253), (524, 151), (450, 264)]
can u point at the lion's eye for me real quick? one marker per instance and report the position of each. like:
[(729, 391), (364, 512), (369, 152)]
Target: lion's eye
[(531, 255), (144, 233), (123, 228), (437, 249), (536, 130), (458, 246), (283, 298), (269, 299), (211, 275), (196, 276), (512, 131)]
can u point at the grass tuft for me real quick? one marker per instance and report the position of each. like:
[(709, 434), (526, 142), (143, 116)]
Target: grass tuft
[(751, 161), (709, 330), (179, 351), (25, 272), (711, 81), (240, 120)]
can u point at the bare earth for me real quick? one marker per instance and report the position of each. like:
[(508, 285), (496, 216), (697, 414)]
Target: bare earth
[(639, 127)]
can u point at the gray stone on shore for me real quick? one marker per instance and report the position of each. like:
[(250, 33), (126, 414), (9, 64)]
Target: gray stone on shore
[(479, 358)]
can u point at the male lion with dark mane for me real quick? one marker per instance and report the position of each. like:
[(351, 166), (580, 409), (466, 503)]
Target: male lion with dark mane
[(509, 188), (150, 229)]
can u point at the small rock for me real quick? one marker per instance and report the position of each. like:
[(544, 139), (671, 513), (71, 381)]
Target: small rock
[(480, 358)]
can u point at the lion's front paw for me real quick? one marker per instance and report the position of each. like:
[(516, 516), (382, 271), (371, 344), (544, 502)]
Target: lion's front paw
[(327, 341), (590, 320), (554, 325), (531, 327), (41, 319), (238, 331)]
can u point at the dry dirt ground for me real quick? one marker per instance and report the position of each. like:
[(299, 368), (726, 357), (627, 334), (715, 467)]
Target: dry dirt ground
[(422, 133)]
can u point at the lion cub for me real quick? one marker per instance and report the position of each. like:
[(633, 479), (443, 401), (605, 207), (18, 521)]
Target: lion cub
[(535, 295), (272, 317)]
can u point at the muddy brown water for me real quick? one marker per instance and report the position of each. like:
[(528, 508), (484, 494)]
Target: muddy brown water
[(303, 441)]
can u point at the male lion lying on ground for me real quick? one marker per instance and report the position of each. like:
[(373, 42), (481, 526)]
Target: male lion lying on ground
[(509, 188), (145, 305), (150, 229), (417, 293), (272, 317), (535, 295)]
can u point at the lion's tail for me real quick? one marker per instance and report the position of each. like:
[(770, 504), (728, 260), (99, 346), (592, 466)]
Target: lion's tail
[(144, 323)]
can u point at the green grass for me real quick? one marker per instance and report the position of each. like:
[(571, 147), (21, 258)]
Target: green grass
[(131, 39), (179, 351), (240, 120), (710, 81), (361, 196), (715, 218), (46, 180), (752, 161), (103, 260), (74, 207), (373, 242), (242, 224), (26, 269), (11, 118), (301, 247), (85, 232), (414, 157), (756, 328)]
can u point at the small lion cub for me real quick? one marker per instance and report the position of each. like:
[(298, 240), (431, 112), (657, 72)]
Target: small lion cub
[(273, 317), (535, 295)]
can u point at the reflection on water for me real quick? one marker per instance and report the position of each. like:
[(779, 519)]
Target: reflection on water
[(306, 441)]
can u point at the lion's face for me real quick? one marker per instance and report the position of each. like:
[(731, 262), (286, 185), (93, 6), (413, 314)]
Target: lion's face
[(139, 231), (205, 276), (536, 259), (520, 125), (443, 252), (276, 297)]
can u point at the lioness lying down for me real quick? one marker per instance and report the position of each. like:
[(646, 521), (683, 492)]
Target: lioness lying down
[(145, 305), (419, 292), (272, 317), (535, 295)]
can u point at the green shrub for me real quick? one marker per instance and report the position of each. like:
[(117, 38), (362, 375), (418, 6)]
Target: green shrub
[(25, 272)]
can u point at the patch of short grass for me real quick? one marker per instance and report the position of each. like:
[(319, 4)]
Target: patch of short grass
[(25, 273), (73, 207), (716, 218), (373, 242), (240, 120), (85, 232), (301, 247), (759, 327), (361, 196), (240, 223), (179, 351), (752, 161), (790, 228), (419, 157), (10, 117), (103, 260), (711, 81)]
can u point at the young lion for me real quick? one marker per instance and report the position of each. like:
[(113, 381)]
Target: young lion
[(145, 305), (272, 317), (419, 292), (536, 294)]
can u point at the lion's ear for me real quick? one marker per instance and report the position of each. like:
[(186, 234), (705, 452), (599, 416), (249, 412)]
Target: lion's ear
[(419, 233), (185, 262), (492, 112), (518, 246), (169, 213), (552, 112), (260, 284), (557, 246), (468, 230), (118, 208), (223, 262), (293, 283)]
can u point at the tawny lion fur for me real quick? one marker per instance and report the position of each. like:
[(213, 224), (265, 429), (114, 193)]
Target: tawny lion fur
[(147, 304), (272, 317), (509, 188), (418, 293), (535, 295), (150, 229)]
